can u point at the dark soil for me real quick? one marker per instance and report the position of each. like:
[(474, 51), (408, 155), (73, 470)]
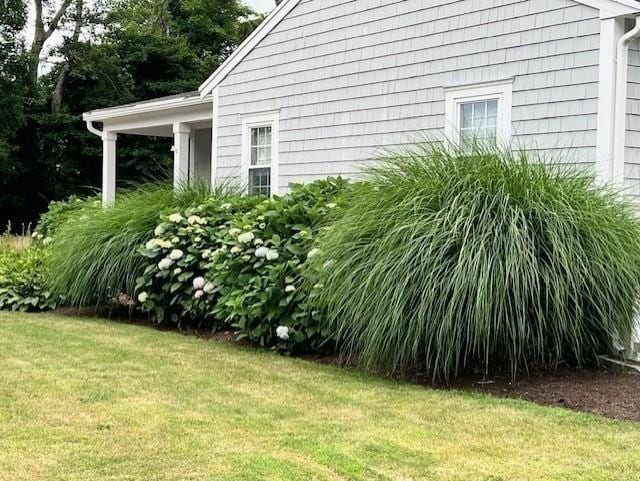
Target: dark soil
[(612, 392)]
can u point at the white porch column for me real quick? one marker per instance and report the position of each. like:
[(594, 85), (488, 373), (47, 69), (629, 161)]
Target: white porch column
[(181, 136), (109, 139)]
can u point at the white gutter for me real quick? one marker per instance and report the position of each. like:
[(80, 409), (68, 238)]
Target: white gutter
[(620, 116), (92, 129)]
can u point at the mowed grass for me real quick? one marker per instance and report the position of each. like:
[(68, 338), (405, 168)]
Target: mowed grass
[(96, 400)]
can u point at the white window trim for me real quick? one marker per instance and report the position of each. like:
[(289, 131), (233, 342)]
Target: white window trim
[(266, 120), (500, 91)]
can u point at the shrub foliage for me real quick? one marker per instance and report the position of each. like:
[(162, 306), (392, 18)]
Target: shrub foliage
[(237, 263), (23, 280), (447, 260)]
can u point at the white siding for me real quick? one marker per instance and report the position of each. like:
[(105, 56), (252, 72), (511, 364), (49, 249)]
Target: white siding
[(349, 77), (632, 151)]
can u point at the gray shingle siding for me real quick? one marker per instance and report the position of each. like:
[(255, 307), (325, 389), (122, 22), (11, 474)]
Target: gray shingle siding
[(350, 77)]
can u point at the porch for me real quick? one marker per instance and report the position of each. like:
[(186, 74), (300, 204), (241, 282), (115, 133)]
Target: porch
[(187, 118)]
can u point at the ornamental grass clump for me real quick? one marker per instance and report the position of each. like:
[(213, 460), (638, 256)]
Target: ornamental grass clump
[(94, 251), (444, 261)]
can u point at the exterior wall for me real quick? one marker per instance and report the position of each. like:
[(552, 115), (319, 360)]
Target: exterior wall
[(632, 150), (202, 155), (349, 77)]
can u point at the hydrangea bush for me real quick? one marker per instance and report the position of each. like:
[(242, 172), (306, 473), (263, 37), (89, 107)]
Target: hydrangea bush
[(237, 263)]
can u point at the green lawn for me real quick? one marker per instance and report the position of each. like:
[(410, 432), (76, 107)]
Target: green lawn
[(95, 400)]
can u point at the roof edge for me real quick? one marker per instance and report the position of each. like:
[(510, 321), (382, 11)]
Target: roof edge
[(272, 20), (146, 106)]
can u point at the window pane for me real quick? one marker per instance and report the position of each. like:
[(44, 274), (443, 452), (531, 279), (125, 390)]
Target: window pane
[(479, 114), (478, 120), (261, 145), (467, 116), (260, 181)]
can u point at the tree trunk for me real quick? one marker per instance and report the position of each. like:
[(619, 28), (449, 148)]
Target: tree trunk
[(56, 98), (42, 33)]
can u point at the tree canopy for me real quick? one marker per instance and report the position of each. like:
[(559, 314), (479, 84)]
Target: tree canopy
[(114, 52)]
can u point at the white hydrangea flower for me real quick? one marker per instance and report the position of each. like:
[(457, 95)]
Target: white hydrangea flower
[(262, 225), (206, 253), (197, 239), (175, 218), (290, 288), (47, 240), (165, 244), (142, 297), (234, 231), (199, 282), (152, 244), (258, 242), (35, 234), (282, 332), (195, 219), (198, 294), (246, 237), (159, 230), (176, 254), (313, 253), (246, 258), (329, 264), (262, 252), (209, 287), (236, 250), (272, 255), (175, 240), (177, 271), (164, 264)]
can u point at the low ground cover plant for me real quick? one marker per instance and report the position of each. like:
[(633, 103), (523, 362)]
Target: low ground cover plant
[(237, 263), (24, 280), (445, 260)]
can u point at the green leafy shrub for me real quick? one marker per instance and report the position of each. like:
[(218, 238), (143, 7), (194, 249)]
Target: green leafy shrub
[(444, 261), (59, 211), (237, 263), (95, 254), (23, 280)]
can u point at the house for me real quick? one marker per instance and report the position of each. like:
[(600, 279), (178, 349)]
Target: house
[(322, 85)]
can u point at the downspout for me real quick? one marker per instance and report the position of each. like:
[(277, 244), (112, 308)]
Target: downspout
[(620, 112), (92, 129)]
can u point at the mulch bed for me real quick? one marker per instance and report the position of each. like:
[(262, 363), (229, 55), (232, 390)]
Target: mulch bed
[(610, 392)]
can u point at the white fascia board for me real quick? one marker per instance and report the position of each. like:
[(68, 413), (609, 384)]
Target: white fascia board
[(143, 108), (612, 8), (274, 18)]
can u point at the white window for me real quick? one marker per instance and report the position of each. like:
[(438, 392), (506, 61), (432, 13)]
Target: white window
[(260, 155), (481, 112)]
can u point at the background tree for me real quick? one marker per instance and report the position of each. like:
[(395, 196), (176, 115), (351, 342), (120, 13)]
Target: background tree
[(114, 52)]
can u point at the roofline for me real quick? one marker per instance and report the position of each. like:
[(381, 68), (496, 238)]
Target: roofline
[(272, 20), (160, 104)]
